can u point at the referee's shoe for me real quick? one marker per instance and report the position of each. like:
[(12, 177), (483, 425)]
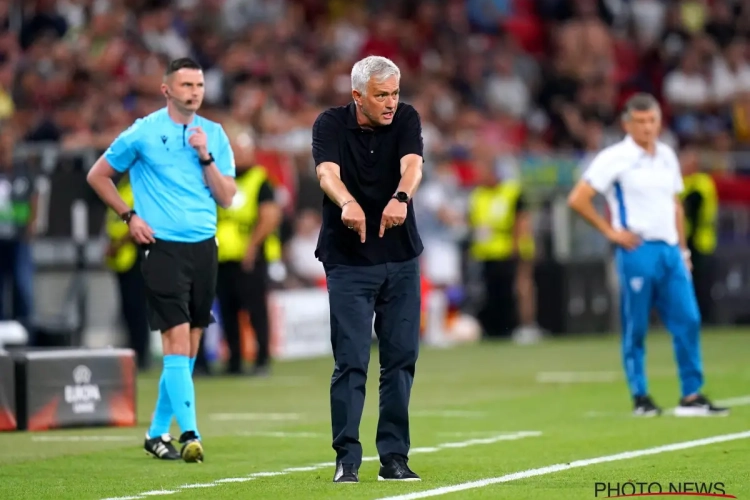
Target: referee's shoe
[(192, 449), (161, 447)]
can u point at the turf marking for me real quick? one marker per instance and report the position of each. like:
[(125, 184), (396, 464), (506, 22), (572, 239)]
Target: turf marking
[(571, 465), (274, 417), (510, 436), (576, 377)]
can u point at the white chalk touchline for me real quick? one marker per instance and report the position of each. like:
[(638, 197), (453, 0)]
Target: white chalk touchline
[(228, 417), (509, 436), (565, 466), (576, 377), (273, 434), (448, 413), (83, 438), (730, 402)]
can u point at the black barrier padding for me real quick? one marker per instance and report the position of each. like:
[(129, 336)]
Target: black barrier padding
[(65, 388), (8, 417)]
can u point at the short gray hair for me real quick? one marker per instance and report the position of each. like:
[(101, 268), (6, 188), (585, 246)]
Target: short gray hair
[(380, 68), (640, 102)]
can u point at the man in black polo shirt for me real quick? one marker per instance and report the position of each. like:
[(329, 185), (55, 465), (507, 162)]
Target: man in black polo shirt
[(369, 162)]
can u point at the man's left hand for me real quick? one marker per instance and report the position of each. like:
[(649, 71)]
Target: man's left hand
[(688, 261), (393, 215), (199, 141), (248, 262)]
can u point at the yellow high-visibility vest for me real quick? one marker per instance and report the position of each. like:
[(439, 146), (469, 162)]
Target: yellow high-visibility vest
[(236, 223), (492, 216), (127, 254), (703, 235)]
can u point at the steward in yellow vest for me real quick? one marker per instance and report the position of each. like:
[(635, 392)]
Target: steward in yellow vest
[(122, 257), (248, 242), (503, 243), (701, 205)]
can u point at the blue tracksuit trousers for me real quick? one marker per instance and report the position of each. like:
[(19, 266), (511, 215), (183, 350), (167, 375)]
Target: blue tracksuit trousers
[(654, 275)]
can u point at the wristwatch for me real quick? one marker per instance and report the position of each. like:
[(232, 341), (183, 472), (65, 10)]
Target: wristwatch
[(207, 161), (401, 196), (127, 216)]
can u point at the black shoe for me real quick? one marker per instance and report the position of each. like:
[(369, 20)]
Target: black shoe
[(346, 473), (699, 407), (643, 406), (396, 469), (192, 449), (161, 447)]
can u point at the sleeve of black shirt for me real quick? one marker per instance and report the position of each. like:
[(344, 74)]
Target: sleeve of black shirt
[(325, 145), (411, 141), (265, 193), (521, 204)]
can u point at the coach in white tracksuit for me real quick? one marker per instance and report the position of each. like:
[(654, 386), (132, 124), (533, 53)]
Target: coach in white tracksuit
[(641, 179)]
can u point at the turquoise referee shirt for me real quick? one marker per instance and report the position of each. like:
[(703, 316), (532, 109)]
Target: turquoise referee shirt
[(170, 191)]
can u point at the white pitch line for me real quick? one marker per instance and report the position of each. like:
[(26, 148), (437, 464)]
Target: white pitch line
[(273, 417), (86, 439), (280, 434), (448, 414), (576, 377), (510, 436), (730, 402), (571, 465)]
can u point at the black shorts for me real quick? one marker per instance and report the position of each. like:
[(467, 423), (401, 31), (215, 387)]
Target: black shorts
[(180, 282)]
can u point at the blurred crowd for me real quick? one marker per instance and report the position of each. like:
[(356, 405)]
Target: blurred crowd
[(495, 81)]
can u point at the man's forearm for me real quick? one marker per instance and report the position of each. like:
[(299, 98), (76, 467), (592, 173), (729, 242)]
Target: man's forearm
[(680, 223), (410, 179), (269, 219), (586, 210), (334, 188), (222, 188), (107, 192)]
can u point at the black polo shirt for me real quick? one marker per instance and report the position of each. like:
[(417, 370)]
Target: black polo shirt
[(370, 162)]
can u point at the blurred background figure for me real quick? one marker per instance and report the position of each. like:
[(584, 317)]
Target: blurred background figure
[(701, 206), (247, 239), (502, 240), (18, 212), (124, 258)]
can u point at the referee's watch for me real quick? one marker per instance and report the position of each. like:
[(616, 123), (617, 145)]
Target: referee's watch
[(401, 196), (207, 161), (127, 216)]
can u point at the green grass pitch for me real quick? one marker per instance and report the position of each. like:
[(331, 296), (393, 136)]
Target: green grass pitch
[(478, 411)]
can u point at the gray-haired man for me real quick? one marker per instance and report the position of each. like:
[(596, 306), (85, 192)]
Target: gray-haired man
[(368, 157)]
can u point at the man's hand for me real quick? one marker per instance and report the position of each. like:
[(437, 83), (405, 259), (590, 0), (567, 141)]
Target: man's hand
[(140, 231), (248, 261), (353, 217), (687, 259), (199, 141), (393, 215), (623, 238)]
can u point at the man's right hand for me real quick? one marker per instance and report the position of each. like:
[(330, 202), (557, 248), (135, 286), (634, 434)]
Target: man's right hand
[(353, 217), (624, 238), (140, 231)]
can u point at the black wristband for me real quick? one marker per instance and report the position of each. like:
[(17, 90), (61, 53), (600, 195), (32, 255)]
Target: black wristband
[(127, 216), (207, 161)]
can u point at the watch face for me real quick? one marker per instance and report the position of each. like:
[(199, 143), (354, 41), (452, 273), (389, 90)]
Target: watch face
[(401, 196)]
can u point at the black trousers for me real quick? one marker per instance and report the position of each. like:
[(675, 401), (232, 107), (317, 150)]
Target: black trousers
[(392, 293), (242, 290), (135, 313), (499, 314), (703, 281)]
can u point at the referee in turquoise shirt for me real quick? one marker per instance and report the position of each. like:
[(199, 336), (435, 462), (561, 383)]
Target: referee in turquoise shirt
[(181, 166)]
